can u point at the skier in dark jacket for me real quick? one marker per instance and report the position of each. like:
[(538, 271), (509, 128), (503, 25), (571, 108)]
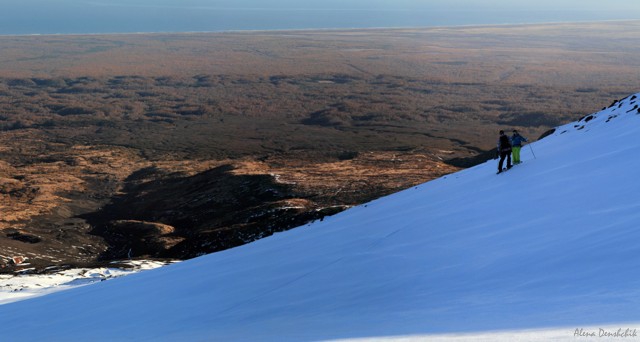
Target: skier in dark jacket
[(516, 145), (504, 151)]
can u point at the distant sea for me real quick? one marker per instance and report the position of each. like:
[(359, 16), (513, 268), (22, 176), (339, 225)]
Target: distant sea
[(28, 17)]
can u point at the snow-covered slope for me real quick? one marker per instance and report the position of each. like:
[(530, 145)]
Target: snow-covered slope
[(554, 242)]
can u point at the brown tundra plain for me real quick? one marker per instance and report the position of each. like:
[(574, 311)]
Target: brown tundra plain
[(176, 145)]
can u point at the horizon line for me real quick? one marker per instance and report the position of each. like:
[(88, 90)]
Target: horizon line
[(335, 29)]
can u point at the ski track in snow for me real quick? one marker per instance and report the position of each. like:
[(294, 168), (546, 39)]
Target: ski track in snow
[(534, 254)]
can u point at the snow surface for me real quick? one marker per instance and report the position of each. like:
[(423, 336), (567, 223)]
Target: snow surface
[(551, 246)]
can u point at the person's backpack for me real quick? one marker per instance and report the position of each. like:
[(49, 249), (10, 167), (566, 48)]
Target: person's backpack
[(505, 145)]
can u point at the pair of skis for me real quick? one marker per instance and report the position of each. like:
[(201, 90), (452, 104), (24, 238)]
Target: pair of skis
[(505, 169)]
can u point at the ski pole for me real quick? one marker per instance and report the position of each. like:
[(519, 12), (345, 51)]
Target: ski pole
[(534, 155)]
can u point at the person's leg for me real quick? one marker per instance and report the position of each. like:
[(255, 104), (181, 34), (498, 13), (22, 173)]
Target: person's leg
[(502, 156), (516, 154), (508, 160)]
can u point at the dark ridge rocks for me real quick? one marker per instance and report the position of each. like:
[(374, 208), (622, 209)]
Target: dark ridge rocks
[(22, 237), (465, 162), (547, 133)]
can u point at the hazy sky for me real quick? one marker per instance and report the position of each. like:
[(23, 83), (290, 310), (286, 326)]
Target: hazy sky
[(604, 5), (105, 16)]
